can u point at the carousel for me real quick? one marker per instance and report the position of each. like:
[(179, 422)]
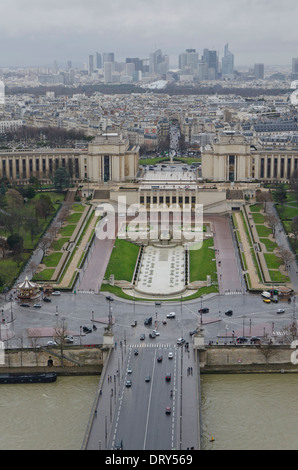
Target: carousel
[(28, 290)]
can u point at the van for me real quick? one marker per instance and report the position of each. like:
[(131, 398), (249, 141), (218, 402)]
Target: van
[(265, 294)]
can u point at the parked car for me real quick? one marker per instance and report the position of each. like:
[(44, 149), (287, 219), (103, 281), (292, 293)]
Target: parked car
[(241, 340), (69, 339), (255, 340)]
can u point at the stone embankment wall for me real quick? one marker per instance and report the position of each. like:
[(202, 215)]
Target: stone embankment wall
[(76, 360), (248, 358)]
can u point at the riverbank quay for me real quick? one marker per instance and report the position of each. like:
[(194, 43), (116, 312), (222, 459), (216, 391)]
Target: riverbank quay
[(77, 360), (252, 358)]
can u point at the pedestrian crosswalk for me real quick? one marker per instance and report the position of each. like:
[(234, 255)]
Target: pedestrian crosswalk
[(229, 292), (153, 345)]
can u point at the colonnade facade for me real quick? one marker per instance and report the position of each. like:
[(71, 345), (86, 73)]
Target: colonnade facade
[(108, 158), (231, 158)]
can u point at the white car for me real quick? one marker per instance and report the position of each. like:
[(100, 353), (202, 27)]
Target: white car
[(171, 315), (56, 292), (280, 310), (170, 355)]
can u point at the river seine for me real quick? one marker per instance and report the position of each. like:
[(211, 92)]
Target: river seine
[(250, 412), (46, 416), (257, 411)]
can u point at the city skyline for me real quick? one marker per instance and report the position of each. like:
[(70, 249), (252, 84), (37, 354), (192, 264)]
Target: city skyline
[(257, 31)]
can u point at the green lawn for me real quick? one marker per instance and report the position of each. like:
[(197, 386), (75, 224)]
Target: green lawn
[(263, 231), (202, 262), (258, 218), (67, 231), (58, 244), (45, 275), (256, 207), (269, 245), (52, 260), (123, 260), (272, 261)]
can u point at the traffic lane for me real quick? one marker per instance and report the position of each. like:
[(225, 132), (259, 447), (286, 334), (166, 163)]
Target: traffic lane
[(160, 424), (134, 402)]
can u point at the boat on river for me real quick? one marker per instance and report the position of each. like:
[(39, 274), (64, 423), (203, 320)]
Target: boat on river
[(47, 377)]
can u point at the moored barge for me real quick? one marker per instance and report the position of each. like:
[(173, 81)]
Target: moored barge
[(47, 377)]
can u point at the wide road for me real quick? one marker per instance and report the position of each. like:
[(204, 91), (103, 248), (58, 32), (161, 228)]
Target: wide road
[(140, 420)]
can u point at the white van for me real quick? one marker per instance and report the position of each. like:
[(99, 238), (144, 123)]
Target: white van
[(266, 295)]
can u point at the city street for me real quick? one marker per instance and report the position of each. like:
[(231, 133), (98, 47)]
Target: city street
[(78, 310)]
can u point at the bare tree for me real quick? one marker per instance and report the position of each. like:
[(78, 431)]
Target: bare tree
[(286, 255), (272, 221)]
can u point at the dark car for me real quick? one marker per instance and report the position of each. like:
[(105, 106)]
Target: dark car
[(24, 305), (241, 340), (204, 310), (148, 321), (229, 313), (193, 332), (87, 329), (119, 445), (255, 340)]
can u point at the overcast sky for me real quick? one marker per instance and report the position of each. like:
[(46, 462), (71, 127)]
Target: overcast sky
[(37, 32)]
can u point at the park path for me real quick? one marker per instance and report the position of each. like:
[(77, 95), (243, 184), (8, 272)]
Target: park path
[(79, 250), (228, 269), (246, 249)]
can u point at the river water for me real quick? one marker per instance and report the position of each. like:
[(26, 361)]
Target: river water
[(257, 411), (46, 416), (250, 412)]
